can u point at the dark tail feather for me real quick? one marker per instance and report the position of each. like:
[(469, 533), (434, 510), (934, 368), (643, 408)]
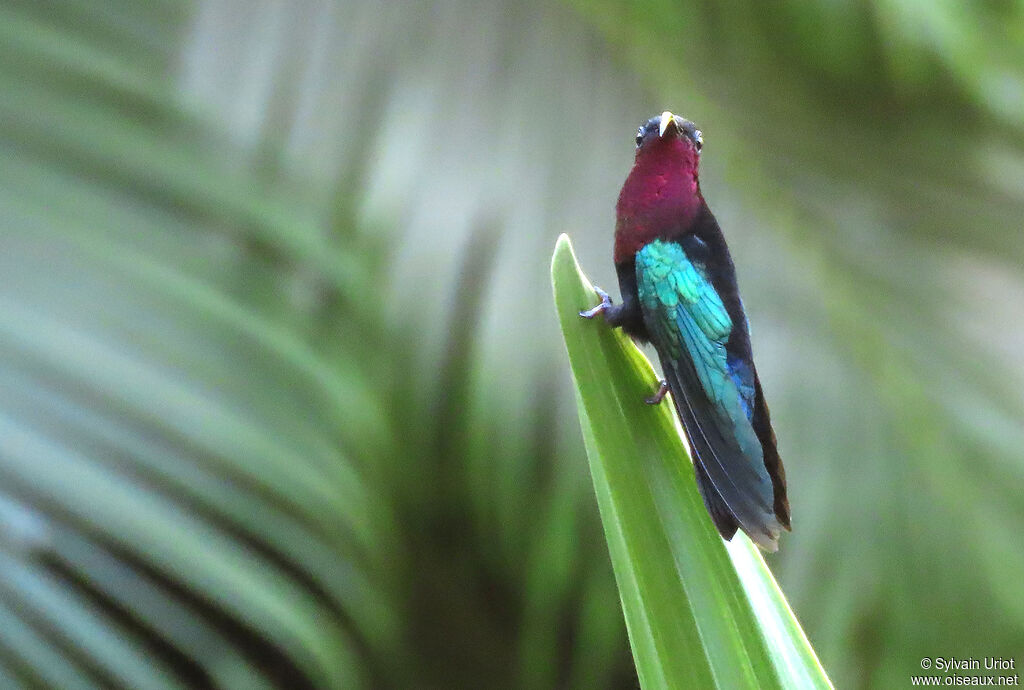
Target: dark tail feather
[(720, 513), (763, 428), (733, 502)]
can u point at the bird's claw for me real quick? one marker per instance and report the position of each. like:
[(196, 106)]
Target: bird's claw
[(606, 302), (660, 395)]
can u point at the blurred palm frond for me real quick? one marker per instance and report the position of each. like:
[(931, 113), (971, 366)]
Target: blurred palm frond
[(283, 396)]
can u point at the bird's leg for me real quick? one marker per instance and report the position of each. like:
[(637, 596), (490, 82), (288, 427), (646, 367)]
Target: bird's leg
[(660, 395), (625, 315), (604, 306)]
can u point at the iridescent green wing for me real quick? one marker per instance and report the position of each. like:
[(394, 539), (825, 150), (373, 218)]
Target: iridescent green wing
[(690, 326)]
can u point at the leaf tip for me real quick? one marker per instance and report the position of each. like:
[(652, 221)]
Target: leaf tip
[(563, 251)]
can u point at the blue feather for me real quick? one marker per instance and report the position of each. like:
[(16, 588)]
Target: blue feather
[(690, 326)]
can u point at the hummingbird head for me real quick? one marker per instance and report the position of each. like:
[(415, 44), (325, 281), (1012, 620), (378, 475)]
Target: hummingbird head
[(669, 131)]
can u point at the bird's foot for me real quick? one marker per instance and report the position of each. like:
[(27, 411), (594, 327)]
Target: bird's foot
[(606, 303), (660, 395)]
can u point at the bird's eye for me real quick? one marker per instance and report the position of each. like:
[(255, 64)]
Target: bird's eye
[(639, 136), (698, 139)]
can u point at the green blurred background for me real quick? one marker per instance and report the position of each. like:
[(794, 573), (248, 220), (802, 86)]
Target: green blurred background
[(283, 401)]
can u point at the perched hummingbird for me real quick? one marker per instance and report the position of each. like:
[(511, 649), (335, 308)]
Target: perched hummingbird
[(679, 293)]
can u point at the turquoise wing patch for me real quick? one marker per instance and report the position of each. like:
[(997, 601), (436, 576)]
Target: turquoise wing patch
[(688, 321), (713, 392)]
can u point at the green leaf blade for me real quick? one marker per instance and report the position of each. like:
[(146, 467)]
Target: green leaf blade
[(692, 620)]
